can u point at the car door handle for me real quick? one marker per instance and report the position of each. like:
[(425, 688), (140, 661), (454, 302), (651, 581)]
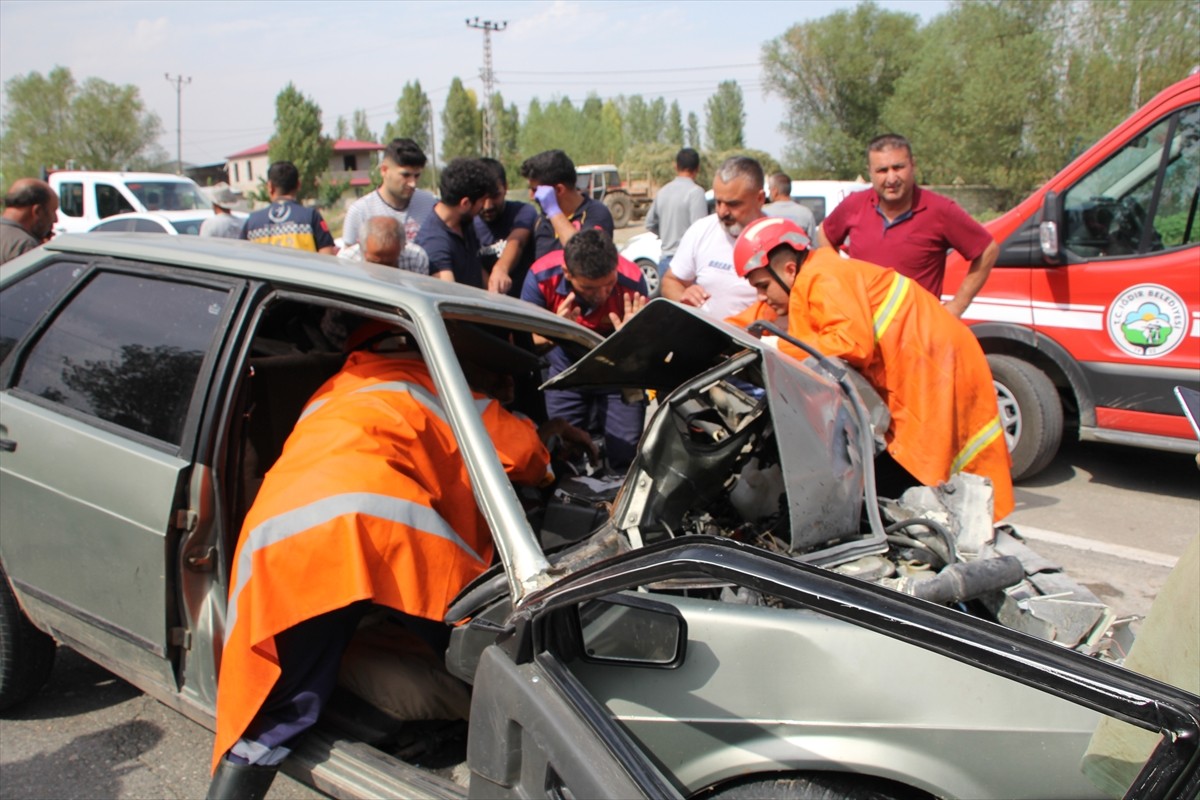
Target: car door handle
[(8, 445)]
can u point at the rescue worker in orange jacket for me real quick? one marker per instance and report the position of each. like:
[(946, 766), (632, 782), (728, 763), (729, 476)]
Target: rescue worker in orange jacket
[(926, 364), (369, 502)]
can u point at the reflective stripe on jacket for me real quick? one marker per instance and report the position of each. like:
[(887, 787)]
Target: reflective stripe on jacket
[(369, 500), (926, 364)]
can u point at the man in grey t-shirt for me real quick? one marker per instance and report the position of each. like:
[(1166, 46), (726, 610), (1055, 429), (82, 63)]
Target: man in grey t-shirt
[(30, 209), (779, 189), (223, 224), (397, 195), (676, 206)]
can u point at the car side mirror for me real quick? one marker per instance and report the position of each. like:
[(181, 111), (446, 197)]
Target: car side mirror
[(1048, 230), (632, 631)]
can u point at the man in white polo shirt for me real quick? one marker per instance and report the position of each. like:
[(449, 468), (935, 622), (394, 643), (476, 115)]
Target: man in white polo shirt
[(701, 273)]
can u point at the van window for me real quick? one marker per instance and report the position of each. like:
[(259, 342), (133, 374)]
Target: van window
[(109, 201), (70, 199), (814, 204), (168, 195), (1107, 213)]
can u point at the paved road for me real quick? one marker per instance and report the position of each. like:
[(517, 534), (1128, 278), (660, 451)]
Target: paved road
[(91, 735)]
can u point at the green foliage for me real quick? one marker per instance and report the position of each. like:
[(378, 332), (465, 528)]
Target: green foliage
[(462, 123), (330, 192), (834, 75), (51, 120), (360, 127), (674, 134), (412, 117), (341, 128), (725, 117), (298, 137), (693, 131)]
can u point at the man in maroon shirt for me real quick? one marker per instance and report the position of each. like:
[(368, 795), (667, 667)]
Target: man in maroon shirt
[(909, 229)]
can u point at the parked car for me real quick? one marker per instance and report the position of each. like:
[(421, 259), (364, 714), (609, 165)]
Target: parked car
[(172, 223), (1092, 313), (821, 197), (86, 197), (722, 621)]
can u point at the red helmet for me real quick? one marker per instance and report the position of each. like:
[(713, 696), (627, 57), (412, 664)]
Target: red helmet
[(761, 237)]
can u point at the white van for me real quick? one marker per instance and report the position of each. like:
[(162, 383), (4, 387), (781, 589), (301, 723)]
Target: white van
[(86, 197)]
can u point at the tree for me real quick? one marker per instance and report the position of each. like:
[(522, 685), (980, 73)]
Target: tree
[(835, 74), (51, 120), (360, 127), (298, 137), (693, 131), (725, 117), (341, 128), (412, 117), (985, 129), (675, 125), (462, 123)]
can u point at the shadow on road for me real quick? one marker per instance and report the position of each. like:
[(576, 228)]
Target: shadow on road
[(1129, 468), (76, 686), (96, 761)]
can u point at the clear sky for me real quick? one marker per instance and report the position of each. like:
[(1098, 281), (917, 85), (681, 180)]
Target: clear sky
[(359, 54)]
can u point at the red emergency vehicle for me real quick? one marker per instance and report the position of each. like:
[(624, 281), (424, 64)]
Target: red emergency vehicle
[(1092, 313)]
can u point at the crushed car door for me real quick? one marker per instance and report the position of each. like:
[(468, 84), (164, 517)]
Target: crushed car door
[(537, 732), (100, 417)]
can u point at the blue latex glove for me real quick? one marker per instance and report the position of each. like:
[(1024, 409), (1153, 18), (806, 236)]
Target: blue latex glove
[(546, 199)]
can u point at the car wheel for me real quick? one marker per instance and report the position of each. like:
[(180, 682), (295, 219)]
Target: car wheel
[(621, 208), (814, 786), (1030, 411), (26, 654), (650, 273)]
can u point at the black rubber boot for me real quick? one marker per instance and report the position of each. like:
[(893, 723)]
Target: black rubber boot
[(240, 781)]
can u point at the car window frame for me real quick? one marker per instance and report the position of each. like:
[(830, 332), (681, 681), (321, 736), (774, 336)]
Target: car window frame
[(186, 448)]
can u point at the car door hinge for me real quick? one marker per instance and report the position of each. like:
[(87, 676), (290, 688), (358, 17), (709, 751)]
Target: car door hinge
[(201, 560), (180, 637), (186, 519)]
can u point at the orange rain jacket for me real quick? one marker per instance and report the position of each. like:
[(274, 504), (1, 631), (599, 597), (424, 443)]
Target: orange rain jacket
[(370, 500), (925, 363)]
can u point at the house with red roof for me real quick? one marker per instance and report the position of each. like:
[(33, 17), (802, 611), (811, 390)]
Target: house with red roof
[(351, 163)]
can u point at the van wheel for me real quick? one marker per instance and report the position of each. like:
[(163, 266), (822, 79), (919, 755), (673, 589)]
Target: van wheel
[(26, 654), (1030, 411), (813, 786)]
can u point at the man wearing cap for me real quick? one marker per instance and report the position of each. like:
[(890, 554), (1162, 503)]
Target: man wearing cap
[(223, 224), (925, 363)]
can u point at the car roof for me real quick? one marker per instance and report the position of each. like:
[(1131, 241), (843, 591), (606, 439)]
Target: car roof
[(369, 283), (162, 215)]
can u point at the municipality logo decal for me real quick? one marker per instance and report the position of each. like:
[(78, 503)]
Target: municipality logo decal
[(1147, 321)]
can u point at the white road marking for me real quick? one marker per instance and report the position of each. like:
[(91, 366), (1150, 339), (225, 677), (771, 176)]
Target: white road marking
[(1080, 543)]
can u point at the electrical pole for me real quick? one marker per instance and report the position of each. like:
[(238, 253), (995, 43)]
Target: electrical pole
[(490, 133), (179, 82)]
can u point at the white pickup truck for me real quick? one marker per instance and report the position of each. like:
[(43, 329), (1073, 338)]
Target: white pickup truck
[(86, 197)]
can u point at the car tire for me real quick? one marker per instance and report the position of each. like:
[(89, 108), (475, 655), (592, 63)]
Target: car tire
[(26, 654), (813, 786), (653, 279), (621, 207), (1030, 411)]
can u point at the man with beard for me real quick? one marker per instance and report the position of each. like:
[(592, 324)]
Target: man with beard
[(30, 208), (448, 235), (702, 273), (505, 231)]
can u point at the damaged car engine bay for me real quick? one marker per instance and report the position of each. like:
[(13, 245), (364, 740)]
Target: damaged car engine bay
[(765, 450)]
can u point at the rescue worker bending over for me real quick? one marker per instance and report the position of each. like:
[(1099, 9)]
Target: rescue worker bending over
[(370, 502), (925, 363)]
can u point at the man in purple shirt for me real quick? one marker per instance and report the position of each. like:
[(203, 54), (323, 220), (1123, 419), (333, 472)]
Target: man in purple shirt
[(909, 229)]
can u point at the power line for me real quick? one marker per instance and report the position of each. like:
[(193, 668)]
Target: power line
[(635, 71)]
